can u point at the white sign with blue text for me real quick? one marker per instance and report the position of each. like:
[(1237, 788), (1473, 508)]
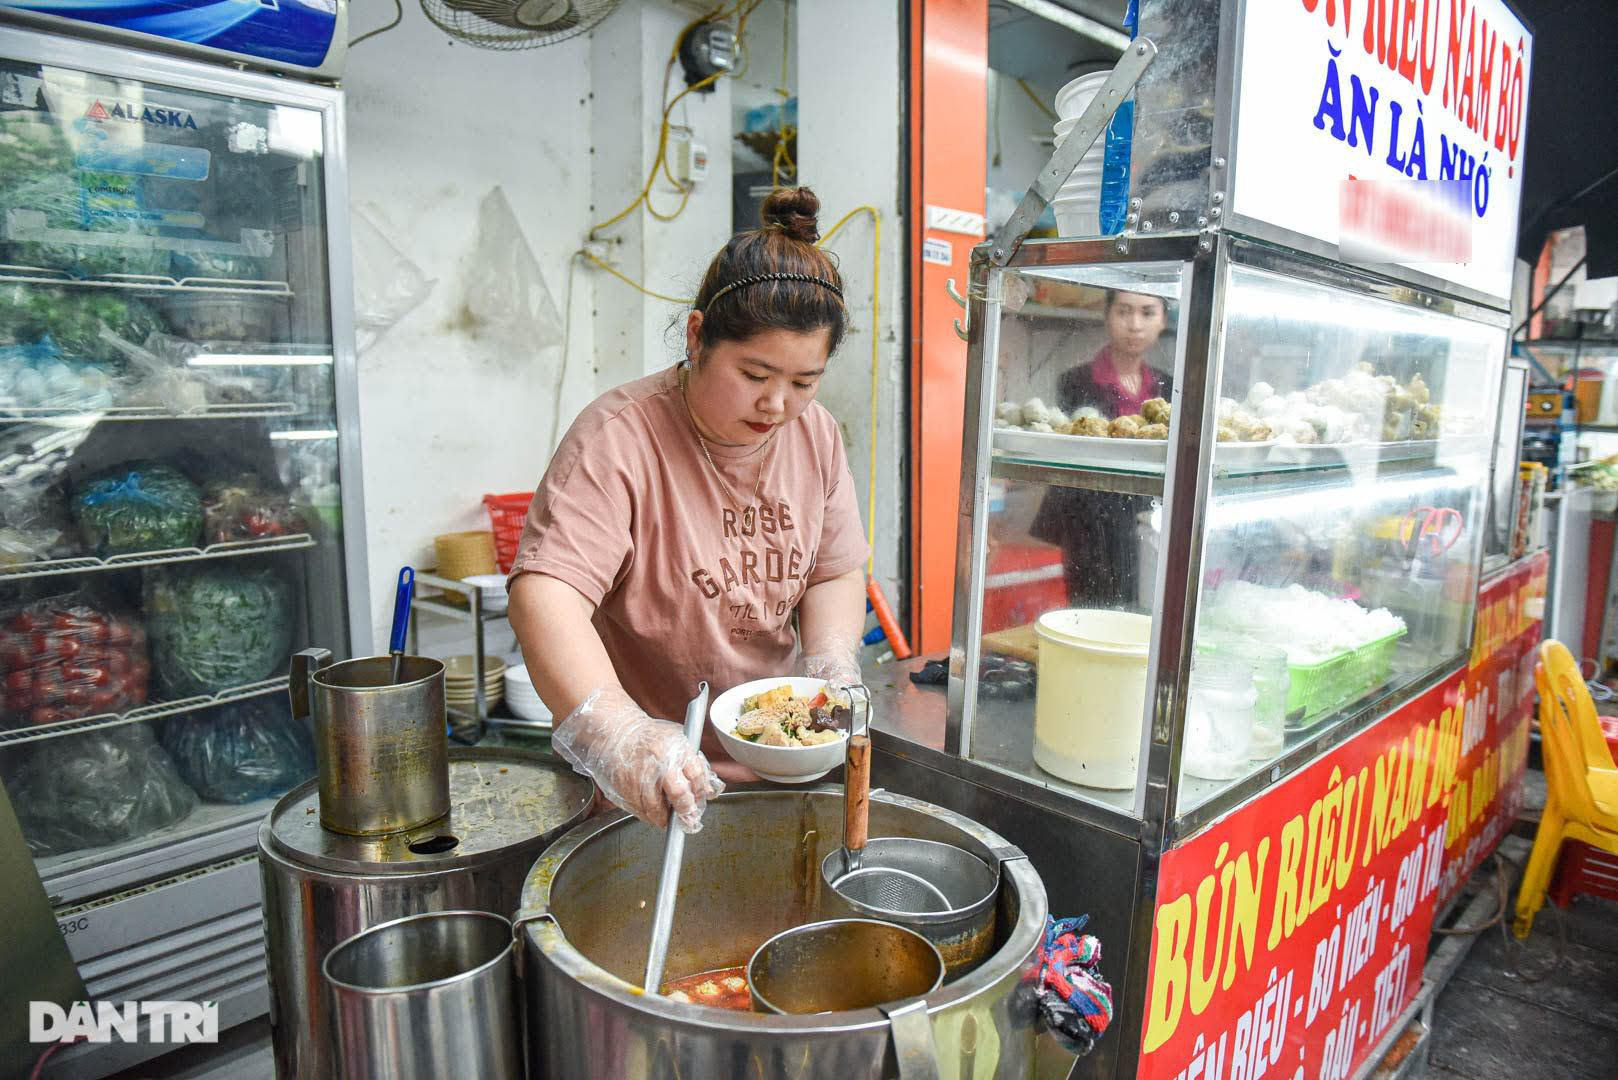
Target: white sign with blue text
[(1394, 129)]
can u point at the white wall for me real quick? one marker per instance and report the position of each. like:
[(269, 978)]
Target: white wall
[(629, 52), (432, 127), (570, 131), (850, 113)]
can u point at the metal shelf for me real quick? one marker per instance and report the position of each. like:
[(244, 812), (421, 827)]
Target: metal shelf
[(453, 611), (145, 712), (89, 563), (36, 275), (91, 417)]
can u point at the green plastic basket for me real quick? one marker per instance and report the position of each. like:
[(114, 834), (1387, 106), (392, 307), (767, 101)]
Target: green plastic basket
[(1319, 689)]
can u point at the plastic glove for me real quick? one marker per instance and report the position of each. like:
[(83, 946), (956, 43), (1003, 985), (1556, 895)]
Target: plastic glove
[(642, 764), (835, 659)]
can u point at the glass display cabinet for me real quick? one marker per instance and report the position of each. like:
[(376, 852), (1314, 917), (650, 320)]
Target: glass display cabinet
[(1224, 546), (1217, 663)]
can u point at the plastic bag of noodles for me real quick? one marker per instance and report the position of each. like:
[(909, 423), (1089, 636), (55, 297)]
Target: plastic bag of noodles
[(217, 627)]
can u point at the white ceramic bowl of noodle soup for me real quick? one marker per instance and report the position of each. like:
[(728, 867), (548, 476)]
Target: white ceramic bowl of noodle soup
[(782, 764)]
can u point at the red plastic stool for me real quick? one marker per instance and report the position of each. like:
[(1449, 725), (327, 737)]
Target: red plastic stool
[(1581, 868)]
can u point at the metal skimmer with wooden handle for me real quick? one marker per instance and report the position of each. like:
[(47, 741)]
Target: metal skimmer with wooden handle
[(875, 886)]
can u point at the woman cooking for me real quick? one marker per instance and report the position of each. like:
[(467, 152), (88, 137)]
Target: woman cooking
[(1095, 531), (688, 517)]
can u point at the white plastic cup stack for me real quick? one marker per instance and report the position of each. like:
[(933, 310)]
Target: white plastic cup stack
[(1078, 203)]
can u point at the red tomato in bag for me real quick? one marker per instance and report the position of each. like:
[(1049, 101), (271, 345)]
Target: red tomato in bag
[(45, 715)]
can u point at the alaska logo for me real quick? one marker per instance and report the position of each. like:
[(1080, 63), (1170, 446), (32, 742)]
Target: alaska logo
[(141, 114)]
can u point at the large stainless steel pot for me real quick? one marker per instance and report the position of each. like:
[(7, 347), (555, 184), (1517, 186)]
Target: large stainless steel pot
[(753, 871), (322, 887)]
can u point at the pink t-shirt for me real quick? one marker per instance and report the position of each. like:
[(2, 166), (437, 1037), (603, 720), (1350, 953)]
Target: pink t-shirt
[(686, 586)]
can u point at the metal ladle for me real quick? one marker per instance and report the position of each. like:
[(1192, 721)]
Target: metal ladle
[(668, 886), (883, 887)]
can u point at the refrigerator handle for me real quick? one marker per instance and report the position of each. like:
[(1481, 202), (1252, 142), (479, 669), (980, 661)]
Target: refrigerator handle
[(304, 664)]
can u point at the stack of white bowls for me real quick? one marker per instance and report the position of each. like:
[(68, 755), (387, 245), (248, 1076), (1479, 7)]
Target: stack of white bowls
[(492, 589), (460, 685), (1078, 204), (522, 699)]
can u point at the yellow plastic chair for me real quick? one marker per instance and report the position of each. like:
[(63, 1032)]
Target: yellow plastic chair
[(1581, 800)]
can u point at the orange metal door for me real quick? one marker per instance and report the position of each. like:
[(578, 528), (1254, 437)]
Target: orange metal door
[(949, 49)]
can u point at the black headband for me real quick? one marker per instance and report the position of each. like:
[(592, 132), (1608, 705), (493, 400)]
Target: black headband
[(758, 279)]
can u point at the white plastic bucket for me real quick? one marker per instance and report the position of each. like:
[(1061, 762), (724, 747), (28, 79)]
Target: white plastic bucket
[(1090, 701)]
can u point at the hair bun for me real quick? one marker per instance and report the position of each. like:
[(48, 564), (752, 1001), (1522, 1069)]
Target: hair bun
[(796, 211)]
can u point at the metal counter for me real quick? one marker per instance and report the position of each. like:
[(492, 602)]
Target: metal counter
[(1086, 870)]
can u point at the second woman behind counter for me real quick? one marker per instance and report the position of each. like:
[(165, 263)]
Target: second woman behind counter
[(1096, 532), (689, 518)]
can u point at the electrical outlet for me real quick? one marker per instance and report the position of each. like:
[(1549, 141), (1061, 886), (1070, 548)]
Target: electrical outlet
[(690, 160)]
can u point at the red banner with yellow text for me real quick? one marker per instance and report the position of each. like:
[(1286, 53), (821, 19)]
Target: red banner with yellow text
[(1494, 739), (1290, 934)]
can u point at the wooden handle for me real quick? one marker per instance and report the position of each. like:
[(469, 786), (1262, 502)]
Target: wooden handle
[(857, 785)]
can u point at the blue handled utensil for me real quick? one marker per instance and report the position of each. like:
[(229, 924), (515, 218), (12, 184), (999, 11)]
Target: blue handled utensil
[(401, 618)]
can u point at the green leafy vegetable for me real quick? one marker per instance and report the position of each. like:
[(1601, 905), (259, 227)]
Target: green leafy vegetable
[(142, 507), (217, 627)]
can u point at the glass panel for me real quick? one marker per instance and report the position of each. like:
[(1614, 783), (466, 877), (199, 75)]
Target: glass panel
[(1082, 384), (169, 495), (1348, 508)]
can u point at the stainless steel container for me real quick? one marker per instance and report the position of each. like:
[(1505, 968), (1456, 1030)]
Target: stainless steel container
[(964, 932), (381, 751), (753, 871), (426, 996), (321, 887)]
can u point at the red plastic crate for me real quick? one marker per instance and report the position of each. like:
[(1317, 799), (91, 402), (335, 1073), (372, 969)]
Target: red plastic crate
[(507, 513), (1581, 868)]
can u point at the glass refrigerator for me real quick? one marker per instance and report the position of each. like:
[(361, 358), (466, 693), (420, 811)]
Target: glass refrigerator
[(180, 503)]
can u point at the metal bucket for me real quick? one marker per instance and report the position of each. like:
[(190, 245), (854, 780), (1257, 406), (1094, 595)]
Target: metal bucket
[(752, 872), (381, 751), (321, 887), (427, 996)]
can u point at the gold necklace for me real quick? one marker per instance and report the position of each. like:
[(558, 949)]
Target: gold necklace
[(764, 466)]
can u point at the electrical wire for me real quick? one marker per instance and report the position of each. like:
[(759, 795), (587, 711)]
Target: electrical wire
[(567, 345), (398, 17), (876, 353), (741, 10), (1038, 101), (637, 286)]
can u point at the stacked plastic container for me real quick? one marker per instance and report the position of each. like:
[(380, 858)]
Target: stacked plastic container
[(1078, 203)]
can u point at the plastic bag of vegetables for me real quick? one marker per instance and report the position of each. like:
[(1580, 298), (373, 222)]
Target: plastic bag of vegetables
[(98, 788), (242, 508), (142, 507), (243, 751), (79, 321), (217, 627), (62, 658), (107, 209)]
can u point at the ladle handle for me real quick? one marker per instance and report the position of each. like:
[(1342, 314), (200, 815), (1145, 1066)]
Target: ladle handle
[(857, 793), (668, 883)]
